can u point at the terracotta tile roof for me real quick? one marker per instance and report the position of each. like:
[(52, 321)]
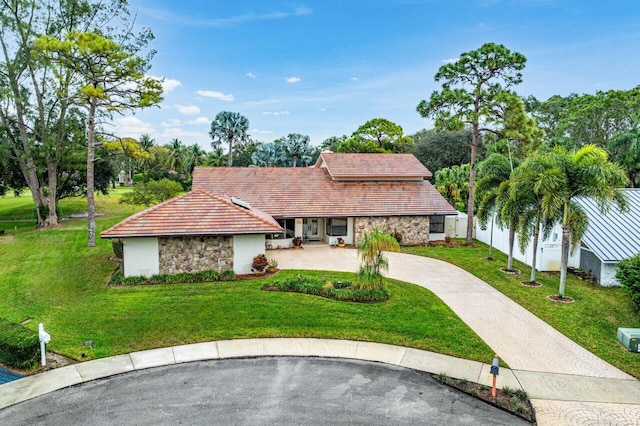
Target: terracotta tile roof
[(373, 166), (195, 213), (286, 192)]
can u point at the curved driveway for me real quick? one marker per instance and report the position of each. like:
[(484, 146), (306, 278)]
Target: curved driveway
[(535, 351)]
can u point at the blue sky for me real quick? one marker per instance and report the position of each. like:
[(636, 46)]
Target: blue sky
[(323, 68)]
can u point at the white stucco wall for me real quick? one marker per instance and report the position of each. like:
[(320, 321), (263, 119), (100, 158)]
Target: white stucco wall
[(140, 256), (245, 248), (549, 250), (608, 275)]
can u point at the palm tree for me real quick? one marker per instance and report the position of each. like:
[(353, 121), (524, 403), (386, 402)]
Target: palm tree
[(532, 220), (146, 145), (453, 184), (215, 158), (231, 128), (370, 250), (193, 156), (268, 155), (297, 148), (175, 158), (494, 170), (567, 175)]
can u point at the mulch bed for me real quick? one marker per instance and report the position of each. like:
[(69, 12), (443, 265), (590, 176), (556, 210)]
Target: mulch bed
[(559, 299), (531, 284), (510, 271), (482, 392)]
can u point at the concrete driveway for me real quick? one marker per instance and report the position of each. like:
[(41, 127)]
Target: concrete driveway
[(261, 391)]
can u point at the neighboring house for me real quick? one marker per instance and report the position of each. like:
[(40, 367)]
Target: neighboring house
[(195, 232), (341, 196), (608, 239)]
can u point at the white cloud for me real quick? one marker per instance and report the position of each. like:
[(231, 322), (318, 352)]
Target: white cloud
[(171, 123), (216, 95), (354, 79), (198, 121), (188, 109), (276, 113), (292, 80), (177, 132), (132, 127), (168, 84), (250, 75), (261, 132), (450, 60)]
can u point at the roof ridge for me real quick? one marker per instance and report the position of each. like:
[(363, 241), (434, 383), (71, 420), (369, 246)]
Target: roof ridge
[(235, 206)]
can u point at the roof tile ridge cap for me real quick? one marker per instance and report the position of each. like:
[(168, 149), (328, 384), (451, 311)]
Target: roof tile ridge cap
[(146, 211), (236, 207)]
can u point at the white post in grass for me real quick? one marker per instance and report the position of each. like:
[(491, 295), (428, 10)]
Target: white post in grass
[(44, 339)]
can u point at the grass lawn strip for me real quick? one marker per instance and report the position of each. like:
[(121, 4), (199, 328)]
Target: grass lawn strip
[(591, 321)]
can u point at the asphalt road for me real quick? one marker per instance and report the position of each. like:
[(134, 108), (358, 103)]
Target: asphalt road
[(260, 391)]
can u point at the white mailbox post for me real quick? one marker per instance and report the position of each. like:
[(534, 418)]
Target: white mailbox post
[(44, 339)]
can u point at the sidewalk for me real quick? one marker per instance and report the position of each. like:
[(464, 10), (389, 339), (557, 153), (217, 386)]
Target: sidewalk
[(548, 365)]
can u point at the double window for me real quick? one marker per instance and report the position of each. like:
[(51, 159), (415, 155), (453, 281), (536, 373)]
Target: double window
[(289, 226), (436, 225), (336, 226)]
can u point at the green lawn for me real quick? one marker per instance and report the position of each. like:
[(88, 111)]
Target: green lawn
[(51, 277), (591, 321)]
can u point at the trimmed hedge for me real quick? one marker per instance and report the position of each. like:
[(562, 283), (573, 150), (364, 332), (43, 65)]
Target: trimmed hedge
[(185, 277), (19, 346), (628, 274), (342, 291)]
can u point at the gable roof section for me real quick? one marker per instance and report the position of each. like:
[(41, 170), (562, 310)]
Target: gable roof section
[(373, 166), (196, 213), (288, 192), (616, 235)]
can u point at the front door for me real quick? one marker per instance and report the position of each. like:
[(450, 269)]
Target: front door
[(312, 229)]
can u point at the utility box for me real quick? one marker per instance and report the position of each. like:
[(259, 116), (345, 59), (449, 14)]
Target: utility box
[(630, 338)]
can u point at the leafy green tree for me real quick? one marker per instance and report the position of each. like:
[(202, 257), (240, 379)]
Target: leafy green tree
[(355, 145), (147, 144), (215, 158), (194, 156), (577, 120), (625, 150), (110, 77), (297, 149), (36, 110), (230, 128), (243, 151), (453, 184), (175, 155), (561, 177), (333, 142), (370, 250), (152, 192), (475, 93), (440, 150)]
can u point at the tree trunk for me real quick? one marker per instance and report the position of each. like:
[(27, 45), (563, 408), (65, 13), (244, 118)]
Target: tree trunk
[(512, 236), (491, 237), (564, 258), (91, 202), (536, 234), (472, 181), (230, 162), (52, 171)]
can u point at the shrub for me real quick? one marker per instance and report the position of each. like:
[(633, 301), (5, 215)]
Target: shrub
[(628, 274), (260, 263), (152, 192), (319, 287), (19, 346), (118, 248), (183, 277)]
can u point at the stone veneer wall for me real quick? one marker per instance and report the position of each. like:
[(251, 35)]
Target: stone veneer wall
[(413, 229), (195, 254)]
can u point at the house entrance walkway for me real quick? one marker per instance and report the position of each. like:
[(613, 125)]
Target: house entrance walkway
[(541, 357)]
